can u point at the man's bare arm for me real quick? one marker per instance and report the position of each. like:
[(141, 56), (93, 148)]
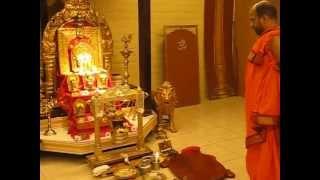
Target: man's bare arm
[(275, 47)]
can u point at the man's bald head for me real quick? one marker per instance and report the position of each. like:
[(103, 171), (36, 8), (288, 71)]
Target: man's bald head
[(263, 15), (264, 8)]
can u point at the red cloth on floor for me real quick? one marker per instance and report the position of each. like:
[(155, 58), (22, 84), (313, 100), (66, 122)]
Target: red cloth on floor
[(191, 164)]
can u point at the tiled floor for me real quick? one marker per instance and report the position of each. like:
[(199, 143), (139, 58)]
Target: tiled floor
[(218, 127)]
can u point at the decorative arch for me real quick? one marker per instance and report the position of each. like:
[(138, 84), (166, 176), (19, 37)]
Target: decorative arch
[(49, 51)]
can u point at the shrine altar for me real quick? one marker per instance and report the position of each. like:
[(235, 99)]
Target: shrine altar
[(64, 143), (93, 111)]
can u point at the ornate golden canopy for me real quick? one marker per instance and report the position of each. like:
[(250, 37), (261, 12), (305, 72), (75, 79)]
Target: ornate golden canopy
[(66, 18)]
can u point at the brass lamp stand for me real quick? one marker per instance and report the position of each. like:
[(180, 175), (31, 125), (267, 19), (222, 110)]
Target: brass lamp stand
[(49, 105), (126, 53)]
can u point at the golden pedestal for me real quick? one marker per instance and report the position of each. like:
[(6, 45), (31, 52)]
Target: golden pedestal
[(62, 142)]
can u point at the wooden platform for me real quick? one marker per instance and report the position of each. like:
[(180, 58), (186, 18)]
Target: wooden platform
[(62, 142)]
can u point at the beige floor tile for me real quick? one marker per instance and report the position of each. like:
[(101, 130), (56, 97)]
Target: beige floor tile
[(238, 167), (221, 154), (43, 175), (236, 145)]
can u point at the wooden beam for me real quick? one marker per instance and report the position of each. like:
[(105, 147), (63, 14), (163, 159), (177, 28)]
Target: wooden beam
[(145, 45), (145, 50)]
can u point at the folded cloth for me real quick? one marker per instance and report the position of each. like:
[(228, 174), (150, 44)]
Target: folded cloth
[(191, 164)]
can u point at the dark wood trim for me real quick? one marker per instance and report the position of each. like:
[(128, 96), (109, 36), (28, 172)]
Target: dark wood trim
[(208, 45), (144, 45), (145, 49), (228, 45)]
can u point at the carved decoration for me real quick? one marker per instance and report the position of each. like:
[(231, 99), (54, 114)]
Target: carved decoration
[(49, 51)]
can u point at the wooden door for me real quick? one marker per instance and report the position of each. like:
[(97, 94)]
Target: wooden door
[(181, 63)]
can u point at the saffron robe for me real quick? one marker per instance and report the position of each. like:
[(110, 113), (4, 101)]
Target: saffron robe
[(262, 96)]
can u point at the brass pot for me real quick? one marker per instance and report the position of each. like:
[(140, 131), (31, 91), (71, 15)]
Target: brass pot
[(145, 164)]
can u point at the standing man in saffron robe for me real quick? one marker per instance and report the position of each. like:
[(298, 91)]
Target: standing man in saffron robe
[(262, 95)]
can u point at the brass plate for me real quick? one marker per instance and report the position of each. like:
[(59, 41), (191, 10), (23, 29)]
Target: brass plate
[(112, 157)]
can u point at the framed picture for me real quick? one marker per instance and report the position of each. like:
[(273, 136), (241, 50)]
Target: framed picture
[(84, 42)]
